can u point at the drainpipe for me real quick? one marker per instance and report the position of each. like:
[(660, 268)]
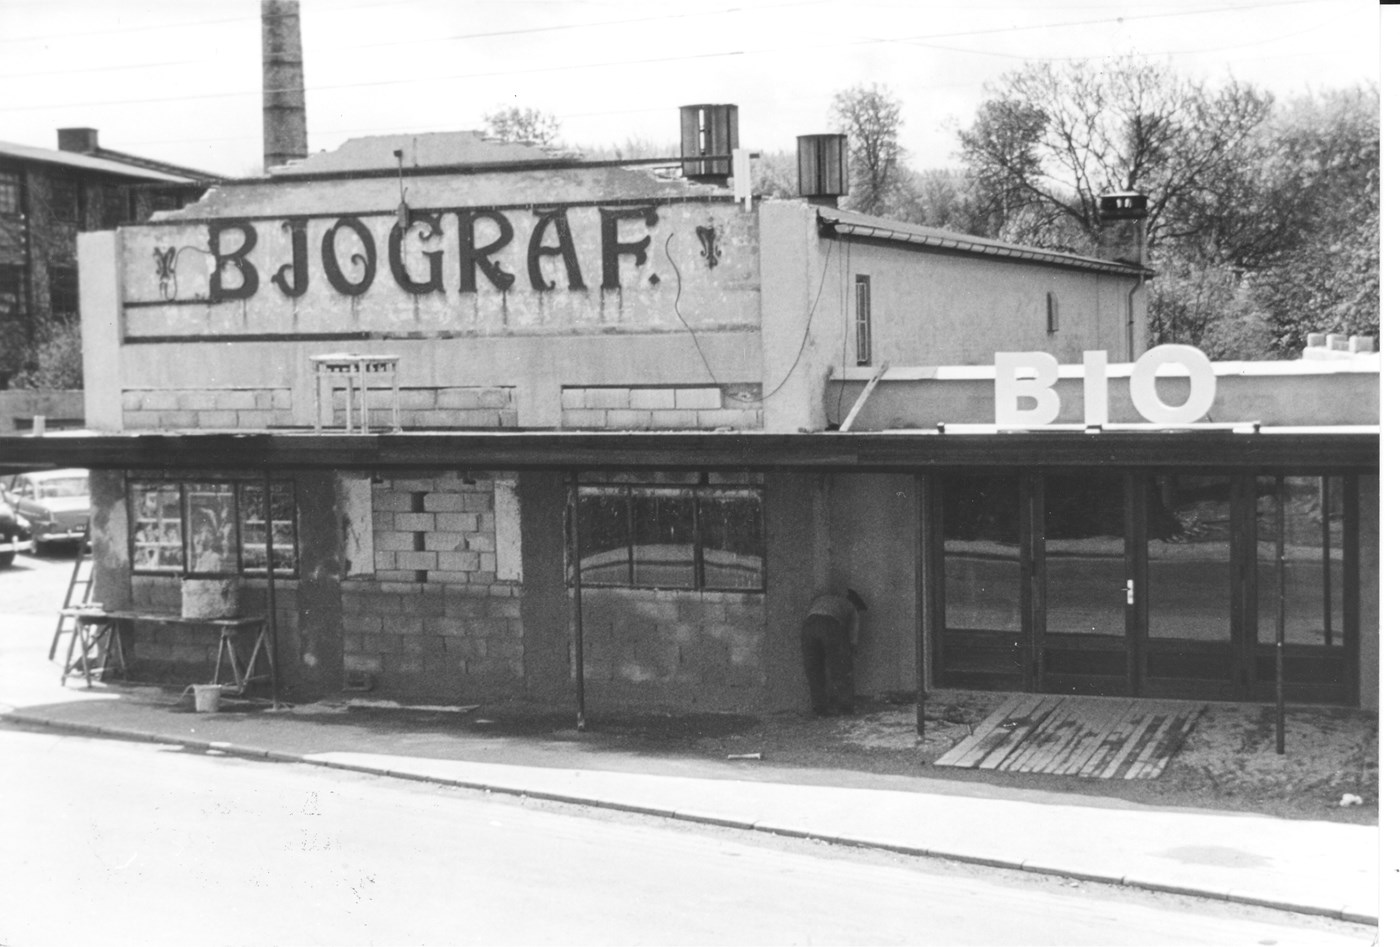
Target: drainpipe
[(1132, 354)]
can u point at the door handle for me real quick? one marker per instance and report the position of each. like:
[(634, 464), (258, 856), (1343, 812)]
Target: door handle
[(1129, 590)]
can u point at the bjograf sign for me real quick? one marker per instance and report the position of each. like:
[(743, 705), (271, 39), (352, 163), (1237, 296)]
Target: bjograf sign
[(456, 267), (1031, 376)]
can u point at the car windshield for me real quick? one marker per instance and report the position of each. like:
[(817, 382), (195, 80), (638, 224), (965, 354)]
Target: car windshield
[(61, 487)]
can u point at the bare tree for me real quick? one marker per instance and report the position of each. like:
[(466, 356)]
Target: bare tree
[(870, 117), (528, 126)]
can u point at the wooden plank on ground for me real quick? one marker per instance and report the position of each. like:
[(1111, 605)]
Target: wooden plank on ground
[(1113, 741), (1103, 724), (1088, 721), (1033, 719), (1151, 764), (964, 752), (1130, 745), (1041, 739)]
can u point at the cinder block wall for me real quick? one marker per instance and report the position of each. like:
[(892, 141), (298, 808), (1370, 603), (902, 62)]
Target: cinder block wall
[(435, 621), (664, 648), (661, 407)]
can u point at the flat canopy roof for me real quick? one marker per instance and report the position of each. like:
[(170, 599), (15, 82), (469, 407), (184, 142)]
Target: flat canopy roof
[(1295, 449)]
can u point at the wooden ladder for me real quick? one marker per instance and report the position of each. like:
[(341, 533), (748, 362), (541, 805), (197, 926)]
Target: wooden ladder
[(79, 593)]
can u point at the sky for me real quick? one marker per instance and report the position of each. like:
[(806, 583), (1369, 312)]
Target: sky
[(180, 80)]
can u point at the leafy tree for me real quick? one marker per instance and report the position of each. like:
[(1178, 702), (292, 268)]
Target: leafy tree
[(870, 117), (527, 126), (53, 358)]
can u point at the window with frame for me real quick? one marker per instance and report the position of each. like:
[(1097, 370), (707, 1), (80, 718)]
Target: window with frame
[(10, 195), (212, 528), (669, 531), (11, 291), (64, 201), (863, 354), (63, 289)]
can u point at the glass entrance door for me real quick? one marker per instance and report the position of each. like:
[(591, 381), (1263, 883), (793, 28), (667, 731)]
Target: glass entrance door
[(1081, 583)]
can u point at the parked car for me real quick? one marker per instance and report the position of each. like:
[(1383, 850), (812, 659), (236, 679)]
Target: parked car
[(54, 502), (14, 531)]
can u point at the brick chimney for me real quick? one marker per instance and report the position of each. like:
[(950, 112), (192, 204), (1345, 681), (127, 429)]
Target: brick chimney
[(284, 86), (81, 140)]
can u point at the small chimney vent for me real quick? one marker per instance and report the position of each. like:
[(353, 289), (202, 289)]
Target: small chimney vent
[(1123, 215), (80, 140), (709, 135), (821, 168)]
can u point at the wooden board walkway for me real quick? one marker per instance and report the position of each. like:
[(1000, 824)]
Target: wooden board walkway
[(1097, 737)]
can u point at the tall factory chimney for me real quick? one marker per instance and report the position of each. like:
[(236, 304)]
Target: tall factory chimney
[(284, 88)]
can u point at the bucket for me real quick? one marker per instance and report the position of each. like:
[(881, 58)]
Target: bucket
[(206, 698)]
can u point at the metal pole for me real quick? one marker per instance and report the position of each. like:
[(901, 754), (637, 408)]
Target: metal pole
[(1326, 492), (582, 721), (920, 594), (271, 586), (1279, 616)]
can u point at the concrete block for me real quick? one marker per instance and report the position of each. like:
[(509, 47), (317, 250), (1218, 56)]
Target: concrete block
[(414, 522), (281, 399), (699, 399), (390, 500), (488, 562), (141, 420), (459, 561), (457, 522), (393, 576), (159, 400), (257, 420), (239, 399), (629, 420), (396, 541), (177, 420), (571, 398), (583, 418), (131, 400), (675, 420), (444, 542), (217, 420), (416, 561), (440, 578), (410, 399), (383, 559), (196, 400), (480, 542), (606, 397), (414, 484), (477, 502), (364, 662), (443, 503), (651, 399)]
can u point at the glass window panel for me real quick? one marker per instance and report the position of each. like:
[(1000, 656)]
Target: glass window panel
[(1188, 557), (982, 553), (663, 551), (1084, 554), (211, 529), (731, 539), (1309, 512), (253, 535), (603, 536), (157, 538)]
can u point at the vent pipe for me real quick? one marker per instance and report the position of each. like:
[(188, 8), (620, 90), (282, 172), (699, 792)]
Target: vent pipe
[(284, 86), (821, 168), (709, 135)]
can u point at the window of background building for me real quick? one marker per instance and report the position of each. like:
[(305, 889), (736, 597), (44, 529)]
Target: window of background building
[(687, 531), (11, 291), (863, 320), (64, 200), (10, 193), (211, 528), (63, 290), (116, 207)]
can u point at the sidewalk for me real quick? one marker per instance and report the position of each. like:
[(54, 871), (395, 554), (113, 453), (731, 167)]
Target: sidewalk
[(1306, 866)]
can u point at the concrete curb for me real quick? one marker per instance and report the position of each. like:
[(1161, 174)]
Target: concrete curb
[(1255, 899)]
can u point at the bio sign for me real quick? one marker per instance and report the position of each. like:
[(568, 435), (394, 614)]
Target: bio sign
[(1030, 377)]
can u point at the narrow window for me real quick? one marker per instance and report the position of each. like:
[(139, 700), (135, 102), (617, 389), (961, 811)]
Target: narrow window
[(9, 193), (63, 290), (862, 320), (1052, 314), (12, 296), (64, 200)]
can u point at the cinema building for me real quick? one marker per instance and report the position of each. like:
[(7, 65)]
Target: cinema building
[(505, 424)]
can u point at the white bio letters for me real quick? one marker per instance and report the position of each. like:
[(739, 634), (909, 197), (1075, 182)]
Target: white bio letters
[(1031, 376)]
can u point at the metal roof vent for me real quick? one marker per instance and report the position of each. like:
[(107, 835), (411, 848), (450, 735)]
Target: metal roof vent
[(1123, 205), (709, 135), (1123, 235), (821, 168)]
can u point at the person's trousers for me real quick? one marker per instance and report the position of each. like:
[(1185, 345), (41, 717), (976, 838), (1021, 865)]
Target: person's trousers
[(828, 661)]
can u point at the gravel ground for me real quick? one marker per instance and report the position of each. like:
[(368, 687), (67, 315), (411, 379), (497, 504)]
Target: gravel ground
[(1227, 761)]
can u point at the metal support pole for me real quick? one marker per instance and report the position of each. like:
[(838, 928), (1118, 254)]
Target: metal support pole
[(582, 721), (921, 604), (271, 588), (1326, 499), (1279, 615)]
